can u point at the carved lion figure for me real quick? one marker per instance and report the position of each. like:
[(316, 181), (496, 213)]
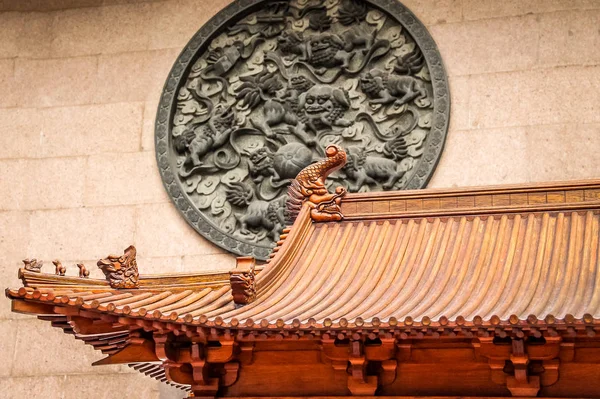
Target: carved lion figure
[(325, 106), (364, 169), (290, 42), (257, 213), (328, 50), (199, 141), (261, 164), (384, 88)]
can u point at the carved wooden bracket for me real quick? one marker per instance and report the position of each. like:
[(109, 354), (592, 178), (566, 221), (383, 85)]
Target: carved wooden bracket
[(241, 279), (246, 354), (354, 358), (121, 271), (523, 367), (205, 366)]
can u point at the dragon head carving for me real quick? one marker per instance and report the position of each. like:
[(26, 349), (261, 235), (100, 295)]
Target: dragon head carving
[(309, 187), (242, 280), (121, 271)]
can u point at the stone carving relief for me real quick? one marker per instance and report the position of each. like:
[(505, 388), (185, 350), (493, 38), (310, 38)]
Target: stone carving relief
[(242, 114)]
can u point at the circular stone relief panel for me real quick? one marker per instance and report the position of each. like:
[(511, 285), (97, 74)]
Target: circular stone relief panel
[(265, 86)]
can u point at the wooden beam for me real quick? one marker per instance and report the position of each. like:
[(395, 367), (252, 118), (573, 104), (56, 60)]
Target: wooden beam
[(40, 309), (132, 353), (84, 326)]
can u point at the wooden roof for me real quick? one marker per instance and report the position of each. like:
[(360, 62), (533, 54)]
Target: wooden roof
[(471, 268), (473, 255)]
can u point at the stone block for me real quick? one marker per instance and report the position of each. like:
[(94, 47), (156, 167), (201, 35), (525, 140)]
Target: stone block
[(563, 152), (435, 11), (136, 76), (547, 96), (554, 96), (25, 34), (13, 236), (116, 2), (459, 102), (174, 23), (42, 183), (70, 131), (20, 133), (11, 24), (10, 94), (54, 82), (94, 129), (101, 30), (8, 332), (35, 36), (79, 234), (161, 231), (111, 386), (205, 263), (54, 352), (162, 265), (11, 185), (150, 111), (50, 387), (495, 45), (569, 38), (121, 179), (481, 9), (45, 5), (482, 157)]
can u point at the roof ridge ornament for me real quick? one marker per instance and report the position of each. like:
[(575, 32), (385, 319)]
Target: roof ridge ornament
[(121, 271), (242, 280), (33, 265), (309, 187)]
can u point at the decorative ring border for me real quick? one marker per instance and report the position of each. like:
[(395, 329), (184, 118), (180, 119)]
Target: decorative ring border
[(202, 38)]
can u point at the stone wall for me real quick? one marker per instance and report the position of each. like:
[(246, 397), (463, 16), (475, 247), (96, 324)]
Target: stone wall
[(80, 82)]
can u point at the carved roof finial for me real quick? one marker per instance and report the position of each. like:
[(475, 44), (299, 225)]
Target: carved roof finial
[(243, 288), (309, 187), (33, 265), (121, 271)]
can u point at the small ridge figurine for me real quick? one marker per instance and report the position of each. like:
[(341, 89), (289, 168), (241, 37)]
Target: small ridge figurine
[(83, 271), (60, 270)]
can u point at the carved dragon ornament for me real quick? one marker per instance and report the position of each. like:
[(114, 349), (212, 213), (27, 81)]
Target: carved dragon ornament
[(121, 271), (309, 188)]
